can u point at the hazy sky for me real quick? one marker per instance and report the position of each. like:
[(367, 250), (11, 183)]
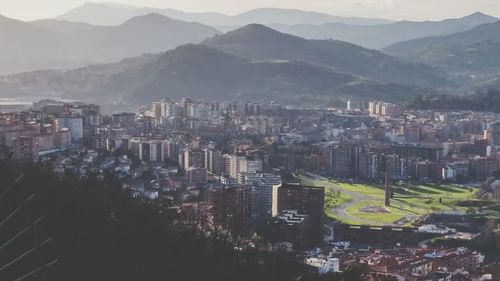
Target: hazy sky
[(394, 9)]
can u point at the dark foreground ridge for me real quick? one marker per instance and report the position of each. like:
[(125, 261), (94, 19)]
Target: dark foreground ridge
[(98, 233)]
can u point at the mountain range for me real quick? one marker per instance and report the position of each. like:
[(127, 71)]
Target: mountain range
[(383, 35), (147, 57), (62, 26), (258, 42), (369, 33), (473, 51), (25, 46), (114, 14), (204, 73), (67, 43), (62, 44)]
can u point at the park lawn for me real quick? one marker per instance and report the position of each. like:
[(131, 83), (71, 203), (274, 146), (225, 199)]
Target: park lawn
[(332, 215), (428, 205), (421, 206), (332, 193), (332, 199), (365, 189), (396, 213), (415, 201), (426, 200), (442, 191), (402, 206)]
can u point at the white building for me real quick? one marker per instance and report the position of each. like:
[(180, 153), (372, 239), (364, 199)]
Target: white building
[(266, 186), (324, 266), (448, 173), (438, 229), (243, 165), (74, 124), (155, 151)]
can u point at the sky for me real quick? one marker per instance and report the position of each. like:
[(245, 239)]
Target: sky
[(391, 9)]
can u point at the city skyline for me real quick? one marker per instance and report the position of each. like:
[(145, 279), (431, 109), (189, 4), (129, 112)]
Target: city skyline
[(389, 9)]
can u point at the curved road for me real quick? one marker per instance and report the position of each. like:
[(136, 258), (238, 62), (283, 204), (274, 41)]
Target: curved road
[(341, 210)]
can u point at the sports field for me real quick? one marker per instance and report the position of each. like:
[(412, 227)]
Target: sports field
[(364, 204)]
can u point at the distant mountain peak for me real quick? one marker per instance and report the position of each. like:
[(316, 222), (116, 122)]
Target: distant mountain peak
[(259, 30), (255, 33), (109, 13), (480, 16), (256, 27), (151, 17)]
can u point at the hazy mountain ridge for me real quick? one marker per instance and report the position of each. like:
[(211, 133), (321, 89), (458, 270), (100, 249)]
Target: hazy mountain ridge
[(473, 50), (52, 44), (203, 73), (379, 36), (258, 42), (151, 33), (369, 33), (62, 26), (112, 14), (22, 42)]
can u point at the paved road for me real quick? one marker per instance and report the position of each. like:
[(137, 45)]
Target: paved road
[(357, 197)]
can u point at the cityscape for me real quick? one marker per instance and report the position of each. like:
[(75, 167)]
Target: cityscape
[(176, 167)]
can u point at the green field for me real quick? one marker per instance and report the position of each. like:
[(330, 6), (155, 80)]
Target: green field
[(364, 204)]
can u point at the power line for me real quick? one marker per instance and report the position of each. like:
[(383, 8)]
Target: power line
[(17, 209), (25, 254), (21, 233), (37, 270), (14, 238), (32, 225), (11, 186), (32, 221)]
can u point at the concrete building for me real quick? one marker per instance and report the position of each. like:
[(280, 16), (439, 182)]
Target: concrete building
[(193, 158), (240, 164), (24, 149), (197, 175), (232, 208), (342, 160), (74, 124), (495, 134), (123, 120), (265, 185), (323, 266), (289, 226), (212, 159), (62, 138), (155, 151), (307, 200)]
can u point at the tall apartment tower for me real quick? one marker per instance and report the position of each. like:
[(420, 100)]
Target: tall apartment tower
[(495, 131), (306, 200), (342, 160)]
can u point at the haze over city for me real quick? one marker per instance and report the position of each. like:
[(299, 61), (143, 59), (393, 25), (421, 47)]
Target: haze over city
[(256, 140)]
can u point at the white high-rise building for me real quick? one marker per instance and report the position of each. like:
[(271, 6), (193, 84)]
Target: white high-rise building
[(74, 124)]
